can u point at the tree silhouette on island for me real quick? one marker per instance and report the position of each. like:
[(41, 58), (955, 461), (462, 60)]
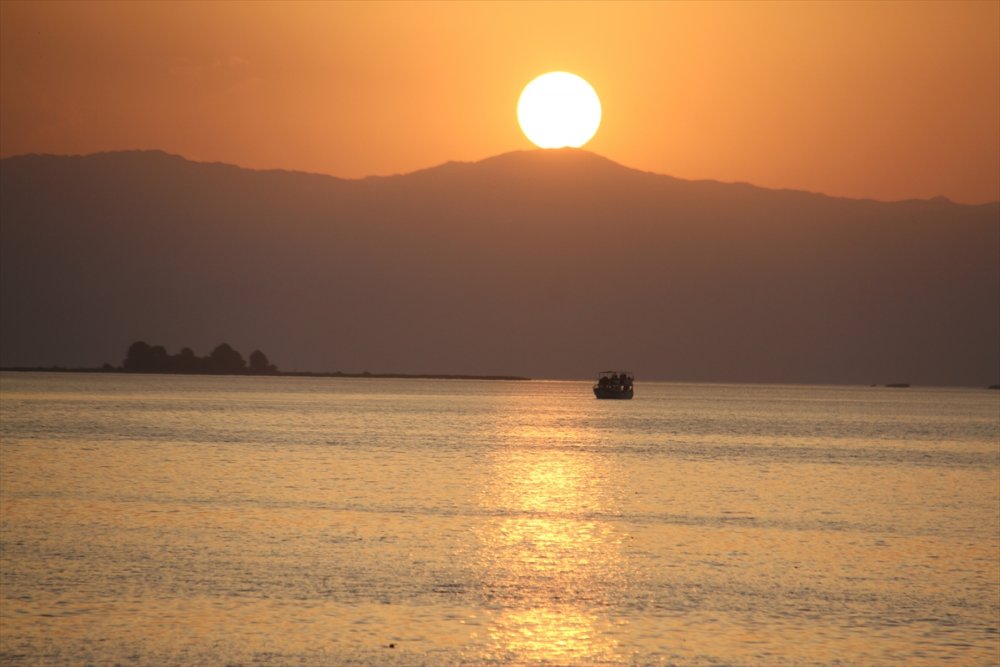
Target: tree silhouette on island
[(224, 360)]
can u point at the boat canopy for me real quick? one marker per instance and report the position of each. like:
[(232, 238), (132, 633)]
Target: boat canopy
[(609, 374)]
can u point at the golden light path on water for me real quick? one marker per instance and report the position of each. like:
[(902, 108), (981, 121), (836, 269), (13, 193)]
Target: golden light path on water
[(551, 559)]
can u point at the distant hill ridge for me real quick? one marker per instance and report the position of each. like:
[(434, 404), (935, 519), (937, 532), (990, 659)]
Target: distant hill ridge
[(532, 263), (503, 161)]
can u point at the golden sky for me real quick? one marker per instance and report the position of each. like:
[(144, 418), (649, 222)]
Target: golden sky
[(889, 100)]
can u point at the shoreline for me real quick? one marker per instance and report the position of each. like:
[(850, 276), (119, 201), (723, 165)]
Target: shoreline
[(335, 374)]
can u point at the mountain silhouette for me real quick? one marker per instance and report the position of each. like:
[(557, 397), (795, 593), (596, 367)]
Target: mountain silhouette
[(538, 263)]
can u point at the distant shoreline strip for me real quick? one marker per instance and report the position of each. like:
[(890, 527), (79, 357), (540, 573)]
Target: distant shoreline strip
[(337, 374)]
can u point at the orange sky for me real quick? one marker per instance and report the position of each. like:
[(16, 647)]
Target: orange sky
[(886, 100)]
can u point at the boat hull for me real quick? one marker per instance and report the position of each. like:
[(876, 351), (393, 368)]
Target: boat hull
[(612, 392)]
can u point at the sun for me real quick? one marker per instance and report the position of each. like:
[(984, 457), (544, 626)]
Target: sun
[(559, 109)]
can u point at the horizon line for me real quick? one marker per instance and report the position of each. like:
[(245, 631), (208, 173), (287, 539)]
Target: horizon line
[(115, 370)]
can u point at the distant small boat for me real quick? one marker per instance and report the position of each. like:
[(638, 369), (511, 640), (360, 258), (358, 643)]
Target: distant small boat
[(614, 384)]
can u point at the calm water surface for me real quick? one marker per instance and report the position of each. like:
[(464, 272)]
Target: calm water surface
[(161, 520)]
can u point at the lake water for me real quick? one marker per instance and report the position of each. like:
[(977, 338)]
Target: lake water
[(169, 520)]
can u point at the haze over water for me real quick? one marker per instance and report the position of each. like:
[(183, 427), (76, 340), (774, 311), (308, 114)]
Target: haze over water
[(155, 520)]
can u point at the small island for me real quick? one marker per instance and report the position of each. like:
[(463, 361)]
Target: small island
[(142, 357)]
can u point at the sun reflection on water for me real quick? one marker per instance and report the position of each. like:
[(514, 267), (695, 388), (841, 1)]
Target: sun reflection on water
[(551, 561)]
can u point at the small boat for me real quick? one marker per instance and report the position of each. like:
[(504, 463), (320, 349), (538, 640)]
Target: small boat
[(614, 384)]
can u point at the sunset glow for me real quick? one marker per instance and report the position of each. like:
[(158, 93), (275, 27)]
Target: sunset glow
[(882, 100), (448, 223)]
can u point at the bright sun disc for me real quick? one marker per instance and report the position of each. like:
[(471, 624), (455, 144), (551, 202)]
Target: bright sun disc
[(559, 109)]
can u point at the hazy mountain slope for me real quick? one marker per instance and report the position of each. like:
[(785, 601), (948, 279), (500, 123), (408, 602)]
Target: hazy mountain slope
[(547, 264)]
